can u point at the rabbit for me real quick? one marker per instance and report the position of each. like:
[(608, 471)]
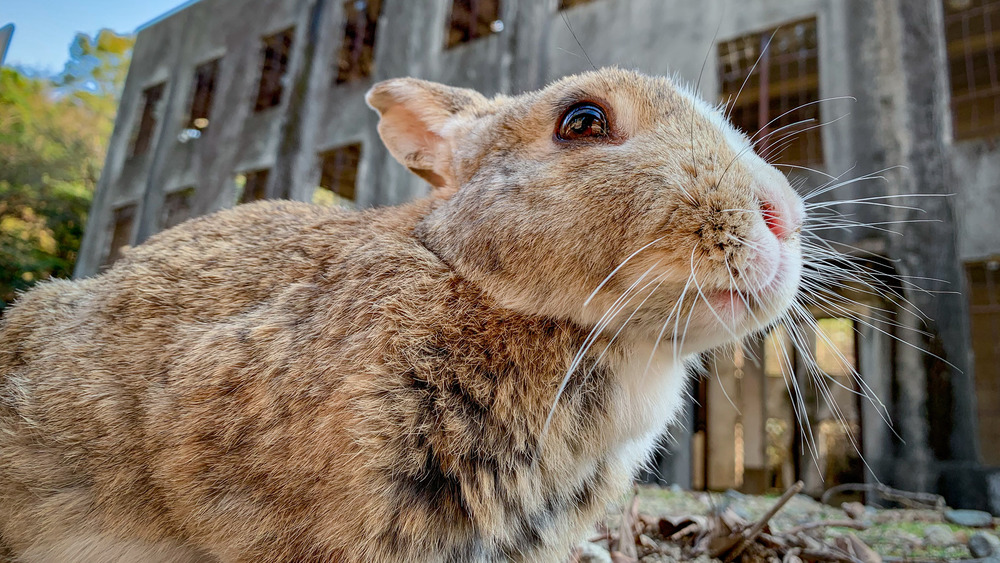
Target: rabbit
[(469, 377)]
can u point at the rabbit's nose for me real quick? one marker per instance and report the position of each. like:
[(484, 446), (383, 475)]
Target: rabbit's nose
[(778, 220), (772, 219)]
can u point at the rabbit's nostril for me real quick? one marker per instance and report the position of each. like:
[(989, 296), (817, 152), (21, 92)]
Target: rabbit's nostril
[(772, 218)]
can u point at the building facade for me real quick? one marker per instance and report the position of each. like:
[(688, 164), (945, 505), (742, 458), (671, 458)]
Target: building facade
[(229, 101)]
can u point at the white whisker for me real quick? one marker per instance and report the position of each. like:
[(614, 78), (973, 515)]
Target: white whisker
[(615, 271)]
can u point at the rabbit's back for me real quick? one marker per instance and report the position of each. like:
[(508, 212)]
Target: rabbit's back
[(124, 396)]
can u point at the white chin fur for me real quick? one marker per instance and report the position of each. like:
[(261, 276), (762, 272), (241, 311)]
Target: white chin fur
[(652, 390)]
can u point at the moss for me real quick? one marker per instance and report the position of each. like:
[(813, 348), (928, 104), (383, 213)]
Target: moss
[(884, 539)]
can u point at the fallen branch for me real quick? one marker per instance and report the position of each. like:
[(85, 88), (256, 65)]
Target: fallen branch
[(908, 499), (758, 527), (626, 531), (689, 529), (827, 524)]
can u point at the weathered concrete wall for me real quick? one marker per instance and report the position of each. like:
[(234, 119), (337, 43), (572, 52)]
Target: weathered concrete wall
[(236, 140), (537, 46), (975, 176)]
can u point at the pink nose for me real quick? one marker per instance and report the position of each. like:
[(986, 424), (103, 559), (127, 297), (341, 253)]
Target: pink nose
[(773, 219)]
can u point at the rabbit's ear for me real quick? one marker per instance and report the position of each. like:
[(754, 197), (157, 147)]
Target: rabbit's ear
[(413, 114)]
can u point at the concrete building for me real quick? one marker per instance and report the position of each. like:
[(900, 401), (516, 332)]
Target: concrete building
[(6, 32), (234, 100)]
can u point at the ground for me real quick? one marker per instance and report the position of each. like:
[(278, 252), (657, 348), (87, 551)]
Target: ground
[(675, 525)]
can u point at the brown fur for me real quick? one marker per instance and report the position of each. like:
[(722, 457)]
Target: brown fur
[(281, 382)]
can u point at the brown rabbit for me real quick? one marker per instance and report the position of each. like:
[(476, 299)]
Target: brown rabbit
[(470, 377)]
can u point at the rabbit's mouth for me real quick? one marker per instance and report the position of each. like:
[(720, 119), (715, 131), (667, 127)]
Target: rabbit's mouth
[(772, 294), (736, 310)]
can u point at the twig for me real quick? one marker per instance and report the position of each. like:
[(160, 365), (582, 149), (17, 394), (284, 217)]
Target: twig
[(626, 531), (827, 523), (827, 554), (859, 549), (773, 542), (908, 499), (758, 527), (684, 531)]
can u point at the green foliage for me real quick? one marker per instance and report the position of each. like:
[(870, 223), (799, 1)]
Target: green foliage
[(98, 64), (53, 136)]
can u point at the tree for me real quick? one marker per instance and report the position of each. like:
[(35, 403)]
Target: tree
[(97, 64), (53, 136)]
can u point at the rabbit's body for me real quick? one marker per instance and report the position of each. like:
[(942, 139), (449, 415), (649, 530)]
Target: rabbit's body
[(211, 389), (282, 382)]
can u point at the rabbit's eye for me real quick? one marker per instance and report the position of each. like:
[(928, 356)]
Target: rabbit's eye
[(582, 121)]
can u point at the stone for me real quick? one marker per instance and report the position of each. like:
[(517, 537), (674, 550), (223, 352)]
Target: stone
[(939, 535), (969, 518), (901, 538), (993, 492), (593, 553), (734, 494), (855, 510), (984, 544)]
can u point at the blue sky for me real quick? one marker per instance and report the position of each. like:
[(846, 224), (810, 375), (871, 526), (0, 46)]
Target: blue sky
[(45, 28)]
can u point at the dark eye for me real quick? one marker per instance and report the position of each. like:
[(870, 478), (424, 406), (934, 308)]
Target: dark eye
[(583, 121)]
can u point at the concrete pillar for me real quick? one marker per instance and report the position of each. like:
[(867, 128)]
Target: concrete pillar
[(294, 165), (902, 120), (875, 367), (931, 249), (722, 419), (807, 431), (171, 109), (754, 417), (914, 459)]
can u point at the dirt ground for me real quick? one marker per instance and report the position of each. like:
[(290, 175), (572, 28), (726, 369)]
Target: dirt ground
[(664, 525)]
